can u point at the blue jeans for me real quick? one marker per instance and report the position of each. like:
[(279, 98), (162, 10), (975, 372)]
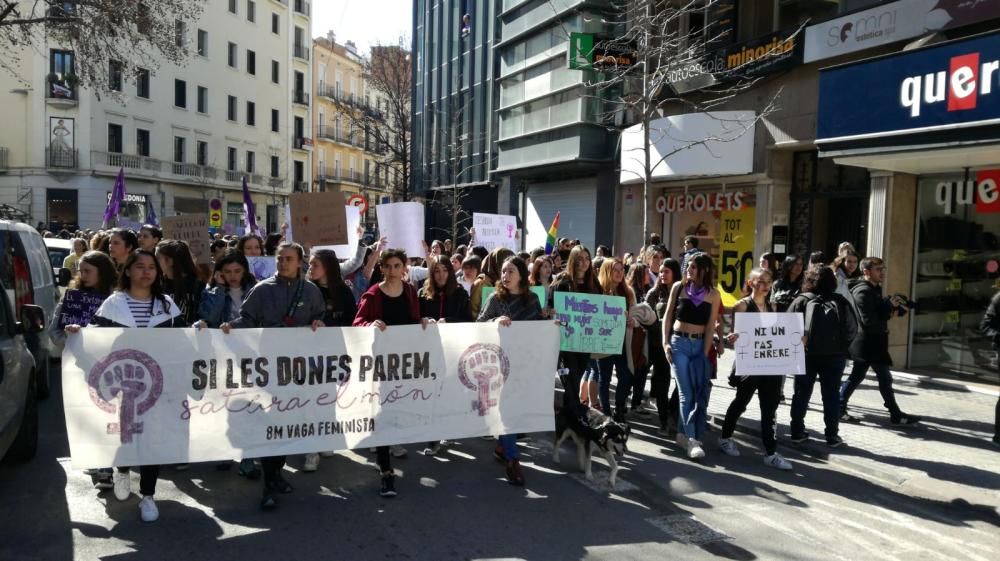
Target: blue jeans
[(829, 369), (620, 365), (509, 444), (691, 370), (884, 377)]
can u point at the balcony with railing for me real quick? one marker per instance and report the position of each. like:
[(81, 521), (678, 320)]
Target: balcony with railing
[(276, 182), (61, 158), (300, 97), (333, 93), (331, 134), (302, 143), (61, 90), (300, 187), (301, 51), (334, 175), (302, 7)]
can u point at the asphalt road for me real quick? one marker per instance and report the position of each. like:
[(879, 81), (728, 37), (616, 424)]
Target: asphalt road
[(458, 506)]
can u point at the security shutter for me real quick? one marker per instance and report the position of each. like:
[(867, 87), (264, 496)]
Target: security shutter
[(576, 202)]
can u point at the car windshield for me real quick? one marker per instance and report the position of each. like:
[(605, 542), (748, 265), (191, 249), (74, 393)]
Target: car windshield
[(57, 256)]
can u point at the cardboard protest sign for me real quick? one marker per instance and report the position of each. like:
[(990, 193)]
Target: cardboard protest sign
[(594, 323), (190, 228), (538, 290), (319, 218), (263, 267), (78, 307), (346, 251), (495, 230), (769, 344), (403, 225)]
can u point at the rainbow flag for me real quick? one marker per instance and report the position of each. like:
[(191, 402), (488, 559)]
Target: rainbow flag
[(550, 241)]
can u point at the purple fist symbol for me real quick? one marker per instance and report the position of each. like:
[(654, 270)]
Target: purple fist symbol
[(484, 368), (136, 378)]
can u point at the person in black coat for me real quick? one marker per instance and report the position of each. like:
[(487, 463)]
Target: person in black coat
[(990, 327), (441, 297), (870, 346)]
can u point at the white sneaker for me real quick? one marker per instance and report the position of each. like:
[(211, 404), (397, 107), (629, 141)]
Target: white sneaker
[(728, 447), (147, 509), (397, 451), (433, 449), (695, 451), (311, 463), (776, 461), (123, 485)]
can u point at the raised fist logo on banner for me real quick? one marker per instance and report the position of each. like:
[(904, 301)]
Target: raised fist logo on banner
[(137, 378), (483, 368)]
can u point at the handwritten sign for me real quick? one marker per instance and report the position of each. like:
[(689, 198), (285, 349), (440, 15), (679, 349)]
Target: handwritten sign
[(769, 344), (319, 218), (192, 229), (495, 230), (538, 290), (347, 251), (208, 396), (78, 307), (735, 259), (595, 323), (403, 225), (263, 267)]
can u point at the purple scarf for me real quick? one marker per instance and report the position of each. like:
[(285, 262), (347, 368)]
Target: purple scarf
[(697, 295)]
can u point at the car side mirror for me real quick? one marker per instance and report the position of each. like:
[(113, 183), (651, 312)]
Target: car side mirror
[(32, 319), (64, 277)]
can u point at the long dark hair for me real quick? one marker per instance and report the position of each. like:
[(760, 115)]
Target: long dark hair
[(156, 290), (522, 270), (243, 240), (128, 237), (331, 268), (232, 256), (839, 262), (431, 288), (107, 275), (183, 281), (706, 268), (785, 276), (589, 278)]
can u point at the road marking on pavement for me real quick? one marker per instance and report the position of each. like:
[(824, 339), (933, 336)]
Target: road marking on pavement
[(687, 529)]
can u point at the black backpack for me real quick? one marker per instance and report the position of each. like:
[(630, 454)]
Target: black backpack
[(830, 325)]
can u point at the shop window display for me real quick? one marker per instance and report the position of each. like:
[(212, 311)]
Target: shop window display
[(956, 270)]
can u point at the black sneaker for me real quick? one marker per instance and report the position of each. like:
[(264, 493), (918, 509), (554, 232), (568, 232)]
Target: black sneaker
[(268, 501), (388, 489), (799, 437), (903, 419), (834, 441), (280, 485), (846, 417), (249, 469)]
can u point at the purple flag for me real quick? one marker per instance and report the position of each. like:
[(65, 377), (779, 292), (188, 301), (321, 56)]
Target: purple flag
[(249, 212), (151, 212), (117, 196)]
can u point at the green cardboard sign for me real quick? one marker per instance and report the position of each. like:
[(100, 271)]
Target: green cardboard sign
[(593, 323)]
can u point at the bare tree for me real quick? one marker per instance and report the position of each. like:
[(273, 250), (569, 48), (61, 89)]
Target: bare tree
[(384, 117), (109, 38), (665, 62)]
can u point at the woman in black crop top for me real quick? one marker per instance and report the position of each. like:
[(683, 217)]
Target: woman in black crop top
[(692, 312)]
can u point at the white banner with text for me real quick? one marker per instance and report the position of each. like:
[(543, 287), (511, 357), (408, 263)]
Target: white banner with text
[(163, 396), (769, 344)]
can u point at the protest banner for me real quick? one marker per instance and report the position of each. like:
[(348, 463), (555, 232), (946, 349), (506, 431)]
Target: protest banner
[(319, 218), (769, 344), (495, 230), (263, 266), (538, 290), (403, 225), (594, 323), (78, 307), (347, 251), (164, 396), (190, 228)]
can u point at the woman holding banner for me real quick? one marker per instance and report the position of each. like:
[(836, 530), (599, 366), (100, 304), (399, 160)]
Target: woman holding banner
[(692, 312), (512, 301), (390, 302), (611, 277), (489, 277), (284, 300), (768, 388), (444, 300), (578, 277), (138, 302)]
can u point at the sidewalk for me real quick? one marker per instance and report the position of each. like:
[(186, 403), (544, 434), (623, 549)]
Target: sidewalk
[(947, 457)]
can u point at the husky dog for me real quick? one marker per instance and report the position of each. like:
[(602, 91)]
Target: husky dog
[(593, 430)]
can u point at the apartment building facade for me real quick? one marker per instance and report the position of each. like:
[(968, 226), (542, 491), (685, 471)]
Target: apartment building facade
[(184, 135)]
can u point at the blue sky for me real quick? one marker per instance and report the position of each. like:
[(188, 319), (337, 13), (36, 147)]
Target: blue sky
[(366, 22)]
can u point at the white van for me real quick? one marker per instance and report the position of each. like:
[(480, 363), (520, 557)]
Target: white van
[(27, 273)]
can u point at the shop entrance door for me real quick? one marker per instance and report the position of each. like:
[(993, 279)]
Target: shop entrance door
[(829, 206)]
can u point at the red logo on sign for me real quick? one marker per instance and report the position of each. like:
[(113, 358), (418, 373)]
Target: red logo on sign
[(988, 190), (963, 82)]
